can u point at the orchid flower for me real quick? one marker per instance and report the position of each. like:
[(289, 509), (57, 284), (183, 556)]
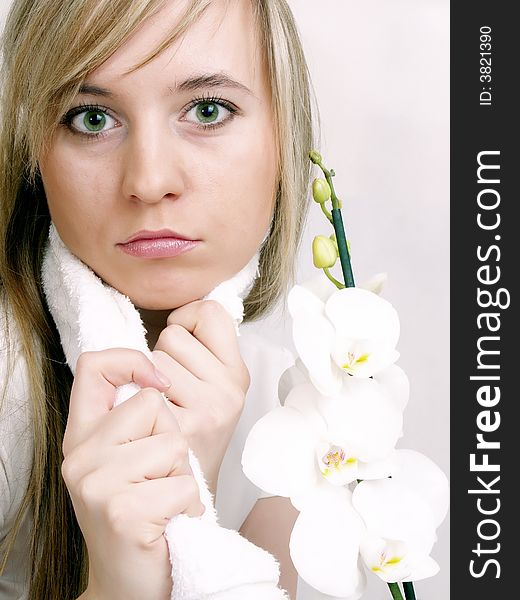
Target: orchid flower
[(314, 438), (345, 332), (324, 544), (401, 515)]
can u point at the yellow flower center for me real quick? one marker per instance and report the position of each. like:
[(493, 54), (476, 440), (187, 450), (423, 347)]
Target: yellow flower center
[(385, 562), (354, 361), (336, 460)]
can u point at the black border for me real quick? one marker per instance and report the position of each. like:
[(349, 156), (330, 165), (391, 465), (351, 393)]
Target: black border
[(476, 128)]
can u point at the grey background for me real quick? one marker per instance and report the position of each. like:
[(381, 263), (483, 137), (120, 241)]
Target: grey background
[(381, 74)]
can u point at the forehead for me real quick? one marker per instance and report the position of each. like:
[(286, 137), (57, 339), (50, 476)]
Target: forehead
[(223, 40)]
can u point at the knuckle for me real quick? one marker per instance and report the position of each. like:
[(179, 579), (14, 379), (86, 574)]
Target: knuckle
[(211, 309), (170, 334), (72, 466), (152, 397), (88, 490), (68, 470), (84, 361), (118, 512)]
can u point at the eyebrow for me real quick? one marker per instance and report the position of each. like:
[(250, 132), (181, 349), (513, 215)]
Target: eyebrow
[(195, 82), (94, 90), (210, 80)]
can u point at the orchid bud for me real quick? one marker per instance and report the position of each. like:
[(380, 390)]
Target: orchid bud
[(324, 252), (315, 157), (320, 190)]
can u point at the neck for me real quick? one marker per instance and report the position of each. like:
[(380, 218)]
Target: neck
[(154, 322)]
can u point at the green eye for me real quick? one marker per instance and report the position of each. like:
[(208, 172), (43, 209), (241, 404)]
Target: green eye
[(207, 112), (94, 120)]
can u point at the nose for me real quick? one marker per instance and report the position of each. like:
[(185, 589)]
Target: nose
[(153, 164)]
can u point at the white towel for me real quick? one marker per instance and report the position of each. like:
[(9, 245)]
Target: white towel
[(209, 562)]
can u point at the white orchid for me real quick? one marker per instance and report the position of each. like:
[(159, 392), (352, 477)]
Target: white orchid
[(345, 332), (314, 438), (401, 515), (310, 449), (317, 446), (325, 540)]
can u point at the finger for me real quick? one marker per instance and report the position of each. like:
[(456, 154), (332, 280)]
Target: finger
[(143, 415), (212, 325), (176, 341), (162, 455), (169, 496), (154, 503), (186, 389), (93, 390)]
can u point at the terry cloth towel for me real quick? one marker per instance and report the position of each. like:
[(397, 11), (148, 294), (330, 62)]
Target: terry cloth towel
[(208, 561)]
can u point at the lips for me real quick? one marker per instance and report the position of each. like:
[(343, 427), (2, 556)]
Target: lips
[(145, 234), (163, 243)]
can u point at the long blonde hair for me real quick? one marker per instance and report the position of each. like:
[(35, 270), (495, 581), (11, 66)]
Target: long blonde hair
[(49, 47)]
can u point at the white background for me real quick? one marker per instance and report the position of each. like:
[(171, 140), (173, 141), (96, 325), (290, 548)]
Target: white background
[(381, 74)]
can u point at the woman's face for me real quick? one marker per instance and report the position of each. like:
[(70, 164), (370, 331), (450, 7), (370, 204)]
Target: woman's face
[(185, 143)]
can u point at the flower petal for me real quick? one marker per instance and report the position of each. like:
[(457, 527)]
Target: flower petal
[(356, 595), (394, 512), (377, 469), (426, 567), (363, 315), (305, 399), (302, 302), (324, 544), (363, 418), (290, 378), (396, 383), (279, 453), (320, 286), (313, 337), (420, 474)]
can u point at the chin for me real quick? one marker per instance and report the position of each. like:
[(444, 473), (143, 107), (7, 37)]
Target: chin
[(162, 301)]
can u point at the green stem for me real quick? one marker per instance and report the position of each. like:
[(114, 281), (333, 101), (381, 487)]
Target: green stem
[(337, 283), (326, 212), (395, 591), (337, 222), (409, 592), (344, 255)]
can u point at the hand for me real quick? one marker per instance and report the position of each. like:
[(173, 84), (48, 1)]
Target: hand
[(198, 351), (127, 472)]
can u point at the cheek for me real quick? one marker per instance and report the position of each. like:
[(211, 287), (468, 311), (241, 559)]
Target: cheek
[(247, 182), (73, 190)]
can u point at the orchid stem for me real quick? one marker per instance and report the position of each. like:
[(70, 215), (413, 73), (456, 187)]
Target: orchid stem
[(344, 255), (339, 229), (337, 283), (326, 213), (395, 591), (409, 592)]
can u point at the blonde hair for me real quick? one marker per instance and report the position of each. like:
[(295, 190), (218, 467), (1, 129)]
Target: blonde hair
[(49, 47)]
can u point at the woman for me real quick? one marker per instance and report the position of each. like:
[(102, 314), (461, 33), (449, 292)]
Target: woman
[(126, 120)]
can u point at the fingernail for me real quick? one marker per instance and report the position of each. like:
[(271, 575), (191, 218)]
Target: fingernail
[(161, 377)]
